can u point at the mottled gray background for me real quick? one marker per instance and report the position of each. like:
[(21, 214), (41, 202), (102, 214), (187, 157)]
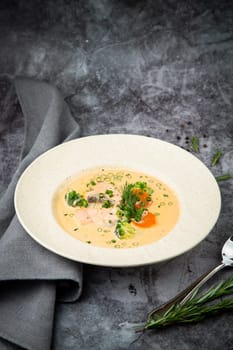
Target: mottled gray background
[(157, 68)]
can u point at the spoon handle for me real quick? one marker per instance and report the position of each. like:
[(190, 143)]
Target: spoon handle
[(200, 281), (185, 294)]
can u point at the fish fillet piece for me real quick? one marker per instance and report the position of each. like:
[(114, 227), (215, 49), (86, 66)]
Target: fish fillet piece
[(99, 216)]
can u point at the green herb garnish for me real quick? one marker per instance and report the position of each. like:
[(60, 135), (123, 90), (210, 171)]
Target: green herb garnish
[(75, 199), (195, 144), (216, 157), (131, 206), (134, 200)]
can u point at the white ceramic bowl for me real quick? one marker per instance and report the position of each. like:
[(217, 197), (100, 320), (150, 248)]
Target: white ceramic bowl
[(191, 180)]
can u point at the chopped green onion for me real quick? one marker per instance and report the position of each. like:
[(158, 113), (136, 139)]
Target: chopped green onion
[(109, 193), (107, 204)]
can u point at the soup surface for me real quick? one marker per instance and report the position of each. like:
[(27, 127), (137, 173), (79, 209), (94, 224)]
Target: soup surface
[(116, 208)]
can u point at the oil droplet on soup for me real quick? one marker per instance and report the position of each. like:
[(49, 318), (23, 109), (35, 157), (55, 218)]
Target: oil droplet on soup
[(116, 208)]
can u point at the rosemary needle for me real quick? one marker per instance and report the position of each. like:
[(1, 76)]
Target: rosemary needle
[(216, 157), (223, 177), (195, 144)]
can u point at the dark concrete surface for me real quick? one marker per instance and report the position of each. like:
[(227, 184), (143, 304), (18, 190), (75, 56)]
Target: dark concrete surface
[(157, 68)]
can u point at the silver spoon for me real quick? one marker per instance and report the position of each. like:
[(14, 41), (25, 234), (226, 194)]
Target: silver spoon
[(182, 297)]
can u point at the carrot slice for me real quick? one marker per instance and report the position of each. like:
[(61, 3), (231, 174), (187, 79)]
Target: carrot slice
[(147, 221)]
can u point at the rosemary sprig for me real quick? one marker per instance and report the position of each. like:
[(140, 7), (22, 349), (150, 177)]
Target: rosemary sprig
[(189, 313), (195, 309)]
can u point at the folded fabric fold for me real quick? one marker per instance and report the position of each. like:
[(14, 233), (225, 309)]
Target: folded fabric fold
[(31, 277)]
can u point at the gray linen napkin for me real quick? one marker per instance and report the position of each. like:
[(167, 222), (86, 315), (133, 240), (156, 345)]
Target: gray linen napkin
[(31, 277)]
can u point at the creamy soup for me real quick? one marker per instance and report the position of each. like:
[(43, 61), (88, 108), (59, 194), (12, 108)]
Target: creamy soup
[(117, 208)]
